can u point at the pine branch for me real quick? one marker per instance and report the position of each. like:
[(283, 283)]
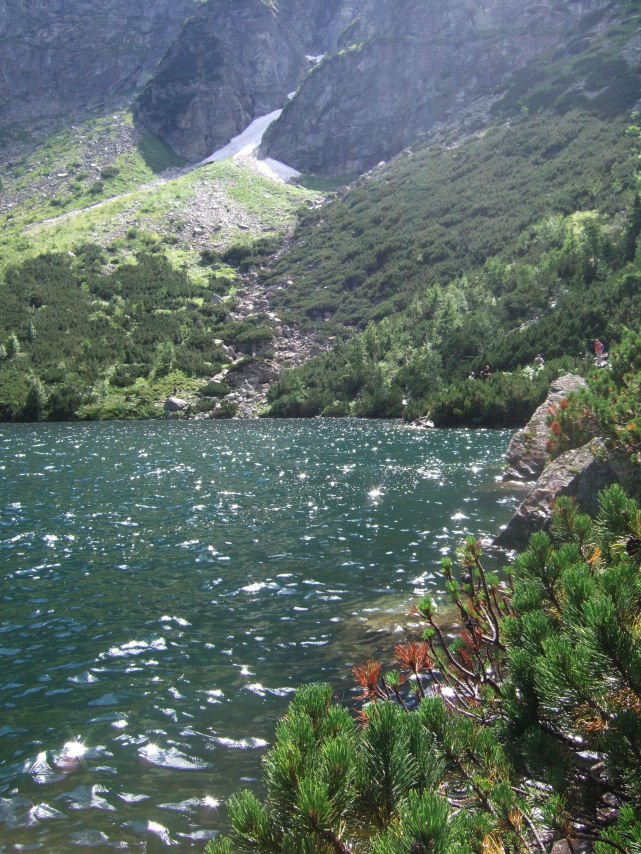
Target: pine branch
[(335, 841)]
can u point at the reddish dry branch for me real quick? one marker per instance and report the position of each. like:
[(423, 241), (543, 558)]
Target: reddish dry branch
[(368, 678)]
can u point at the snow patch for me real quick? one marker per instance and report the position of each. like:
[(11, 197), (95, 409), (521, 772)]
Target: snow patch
[(244, 146), (247, 141), (276, 170)]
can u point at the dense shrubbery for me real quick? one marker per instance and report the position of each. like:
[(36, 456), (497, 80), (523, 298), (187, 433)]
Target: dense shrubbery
[(77, 341), (524, 729), (501, 400), (489, 252), (561, 283), (442, 214)]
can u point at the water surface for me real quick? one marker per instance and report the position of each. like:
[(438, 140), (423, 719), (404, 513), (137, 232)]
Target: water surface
[(165, 586)]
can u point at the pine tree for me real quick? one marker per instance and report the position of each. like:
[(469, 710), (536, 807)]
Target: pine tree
[(12, 346), (35, 403)]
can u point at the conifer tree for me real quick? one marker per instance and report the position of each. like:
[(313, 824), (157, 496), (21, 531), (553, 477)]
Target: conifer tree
[(34, 407)]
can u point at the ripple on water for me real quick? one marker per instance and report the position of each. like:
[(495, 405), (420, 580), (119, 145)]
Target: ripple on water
[(248, 743), (165, 576), (171, 757)]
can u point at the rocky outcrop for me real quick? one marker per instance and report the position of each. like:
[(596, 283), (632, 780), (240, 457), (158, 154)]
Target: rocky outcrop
[(175, 404), (253, 374), (62, 56), (230, 65), (581, 473), (526, 454)]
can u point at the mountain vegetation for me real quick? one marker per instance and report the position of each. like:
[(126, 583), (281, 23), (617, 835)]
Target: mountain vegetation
[(516, 243), (521, 731), (433, 282), (118, 286)]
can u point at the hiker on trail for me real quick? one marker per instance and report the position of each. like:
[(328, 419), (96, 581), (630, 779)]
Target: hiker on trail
[(600, 355)]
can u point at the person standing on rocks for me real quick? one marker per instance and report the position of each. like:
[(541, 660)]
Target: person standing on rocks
[(600, 356)]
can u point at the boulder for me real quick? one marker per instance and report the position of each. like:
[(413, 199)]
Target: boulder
[(423, 423), (175, 404), (526, 453), (253, 374), (580, 473)]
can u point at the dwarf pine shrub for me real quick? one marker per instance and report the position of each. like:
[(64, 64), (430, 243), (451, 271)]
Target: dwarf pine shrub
[(523, 730)]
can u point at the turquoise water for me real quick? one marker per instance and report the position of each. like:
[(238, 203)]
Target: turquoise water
[(165, 586)]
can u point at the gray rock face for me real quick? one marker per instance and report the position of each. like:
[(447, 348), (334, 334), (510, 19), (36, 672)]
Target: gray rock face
[(234, 61), (175, 404), (62, 56), (406, 66), (253, 374), (526, 454), (228, 67), (394, 69), (582, 474)]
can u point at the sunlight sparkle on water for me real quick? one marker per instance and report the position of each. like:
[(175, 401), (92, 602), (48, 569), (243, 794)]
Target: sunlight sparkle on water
[(166, 671), (73, 750)]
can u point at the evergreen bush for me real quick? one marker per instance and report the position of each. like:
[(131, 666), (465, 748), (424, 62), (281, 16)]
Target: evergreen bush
[(523, 730)]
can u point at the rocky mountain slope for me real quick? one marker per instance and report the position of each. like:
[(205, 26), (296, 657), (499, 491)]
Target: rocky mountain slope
[(62, 56), (370, 78), (231, 64), (366, 79), (407, 67)]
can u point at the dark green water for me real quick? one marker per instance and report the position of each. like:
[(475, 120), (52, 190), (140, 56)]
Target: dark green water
[(165, 586)]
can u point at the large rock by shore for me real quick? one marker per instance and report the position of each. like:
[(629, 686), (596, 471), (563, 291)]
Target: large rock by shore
[(526, 453), (580, 473)]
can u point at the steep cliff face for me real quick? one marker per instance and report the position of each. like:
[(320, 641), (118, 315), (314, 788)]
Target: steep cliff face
[(59, 56), (405, 67), (392, 69), (228, 66)]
